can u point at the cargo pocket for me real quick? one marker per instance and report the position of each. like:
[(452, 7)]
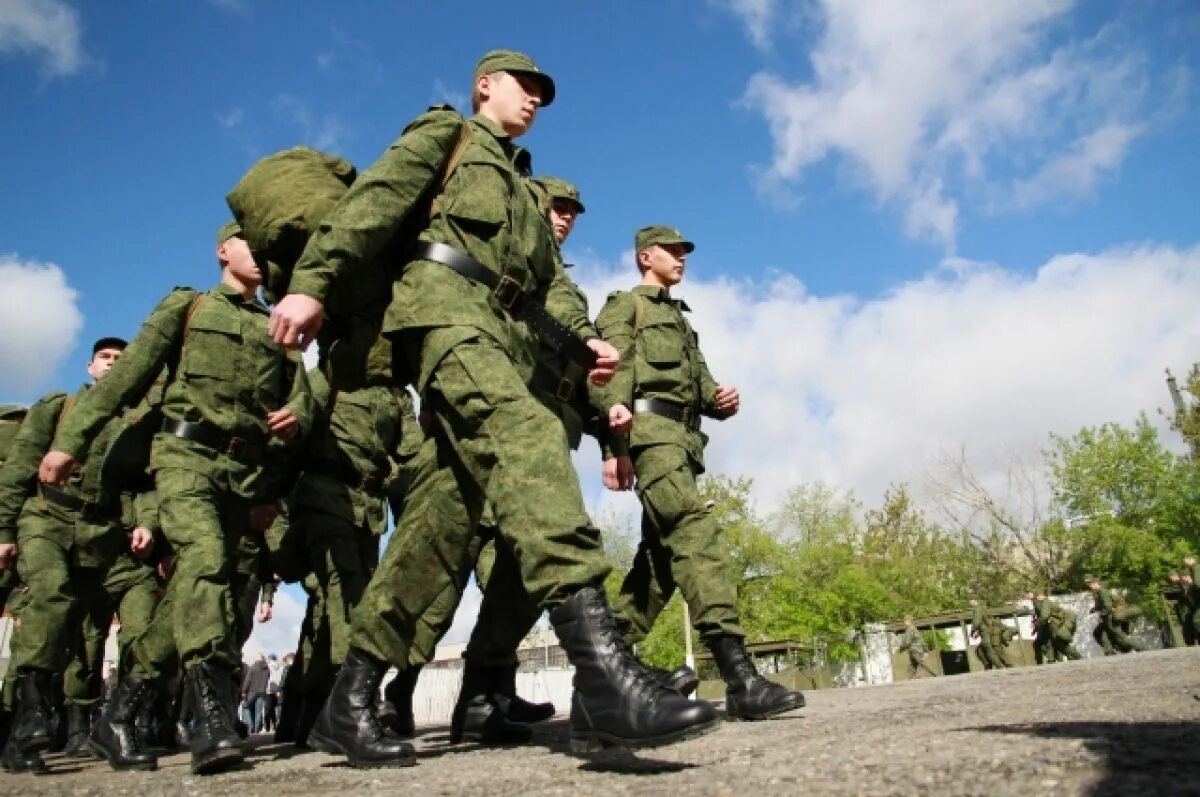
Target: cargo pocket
[(662, 345), (477, 200)]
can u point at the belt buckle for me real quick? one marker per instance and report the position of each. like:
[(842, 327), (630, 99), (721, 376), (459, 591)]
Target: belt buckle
[(565, 391), (509, 293), (237, 447)]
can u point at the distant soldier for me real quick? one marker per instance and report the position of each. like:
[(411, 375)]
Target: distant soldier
[(1179, 604), (1190, 619), (1043, 649), (1112, 630), (1060, 625), (983, 627), (913, 643)]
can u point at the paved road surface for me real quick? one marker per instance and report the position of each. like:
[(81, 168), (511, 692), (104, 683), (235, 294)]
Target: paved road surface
[(1126, 725)]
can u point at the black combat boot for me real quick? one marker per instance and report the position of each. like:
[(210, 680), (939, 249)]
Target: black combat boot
[(682, 679), (396, 712), (515, 707), (348, 725), (216, 746), (79, 725), (748, 695), (477, 717), (311, 706), (14, 761), (115, 736), (616, 701), (32, 727)]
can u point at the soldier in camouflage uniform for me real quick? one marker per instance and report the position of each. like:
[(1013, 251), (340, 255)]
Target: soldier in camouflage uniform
[(230, 389), (1112, 629), (983, 626), (338, 507), (660, 392), (479, 286), (1060, 626), (78, 560), (913, 643)]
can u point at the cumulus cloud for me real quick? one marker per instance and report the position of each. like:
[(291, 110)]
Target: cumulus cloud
[(932, 105), (863, 394), (323, 131), (39, 320), (46, 29), (279, 635)]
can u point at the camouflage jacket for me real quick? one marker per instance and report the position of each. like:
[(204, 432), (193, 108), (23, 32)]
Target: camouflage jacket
[(487, 210), (227, 373), (19, 486), (912, 641), (660, 359), (354, 436)]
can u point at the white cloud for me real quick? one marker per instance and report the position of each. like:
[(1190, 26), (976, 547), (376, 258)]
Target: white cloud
[(924, 104), (862, 394), (757, 16), (39, 321), (48, 29), (231, 118), (444, 94), (319, 131), (280, 633)]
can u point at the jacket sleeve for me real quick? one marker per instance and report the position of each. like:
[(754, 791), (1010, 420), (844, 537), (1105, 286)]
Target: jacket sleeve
[(567, 303), (364, 220), (130, 377), (708, 389), (18, 476), (615, 325)]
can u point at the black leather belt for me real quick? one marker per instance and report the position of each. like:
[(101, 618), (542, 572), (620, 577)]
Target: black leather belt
[(213, 437), (88, 510), (547, 381), (344, 473), (512, 298), (668, 409)]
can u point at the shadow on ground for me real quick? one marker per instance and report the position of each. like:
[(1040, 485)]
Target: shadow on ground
[(1139, 757)]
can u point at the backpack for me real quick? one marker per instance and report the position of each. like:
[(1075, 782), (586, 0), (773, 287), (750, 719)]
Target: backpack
[(121, 459), (280, 202), (11, 417)]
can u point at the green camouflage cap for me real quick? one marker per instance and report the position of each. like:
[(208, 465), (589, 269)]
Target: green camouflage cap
[(649, 236), (560, 189), (230, 229), (512, 61)]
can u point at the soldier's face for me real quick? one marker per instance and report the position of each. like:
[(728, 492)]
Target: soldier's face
[(236, 257), (102, 361), (563, 213), (510, 100), (664, 263)]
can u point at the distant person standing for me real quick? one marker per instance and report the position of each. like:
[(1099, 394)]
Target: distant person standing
[(254, 691)]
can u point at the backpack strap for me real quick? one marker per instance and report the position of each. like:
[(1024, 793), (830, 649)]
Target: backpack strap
[(67, 405), (450, 165), (188, 317)]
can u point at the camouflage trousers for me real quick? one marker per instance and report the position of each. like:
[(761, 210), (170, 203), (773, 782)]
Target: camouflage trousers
[(69, 582), (494, 442), (207, 611), (132, 591), (342, 557), (681, 546), (1113, 636)]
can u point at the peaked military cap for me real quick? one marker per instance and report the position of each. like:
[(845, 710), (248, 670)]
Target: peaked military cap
[(109, 343), (649, 236), (230, 229), (561, 189), (513, 61)]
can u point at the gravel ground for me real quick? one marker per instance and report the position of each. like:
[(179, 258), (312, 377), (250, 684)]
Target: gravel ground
[(1125, 725)]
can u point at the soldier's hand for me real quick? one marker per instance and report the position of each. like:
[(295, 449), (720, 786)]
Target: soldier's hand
[(607, 360), (727, 400), (283, 423), (264, 612), (8, 555), (56, 468), (166, 567), (141, 542), (296, 320), (620, 419), (618, 473)]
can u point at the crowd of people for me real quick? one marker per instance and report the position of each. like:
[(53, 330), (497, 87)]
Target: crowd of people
[(204, 464)]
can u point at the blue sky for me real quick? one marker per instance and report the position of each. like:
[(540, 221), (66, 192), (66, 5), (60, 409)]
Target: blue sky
[(945, 226)]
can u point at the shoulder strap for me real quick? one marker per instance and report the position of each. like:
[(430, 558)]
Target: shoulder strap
[(451, 164), (188, 317), (639, 312), (67, 404)]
